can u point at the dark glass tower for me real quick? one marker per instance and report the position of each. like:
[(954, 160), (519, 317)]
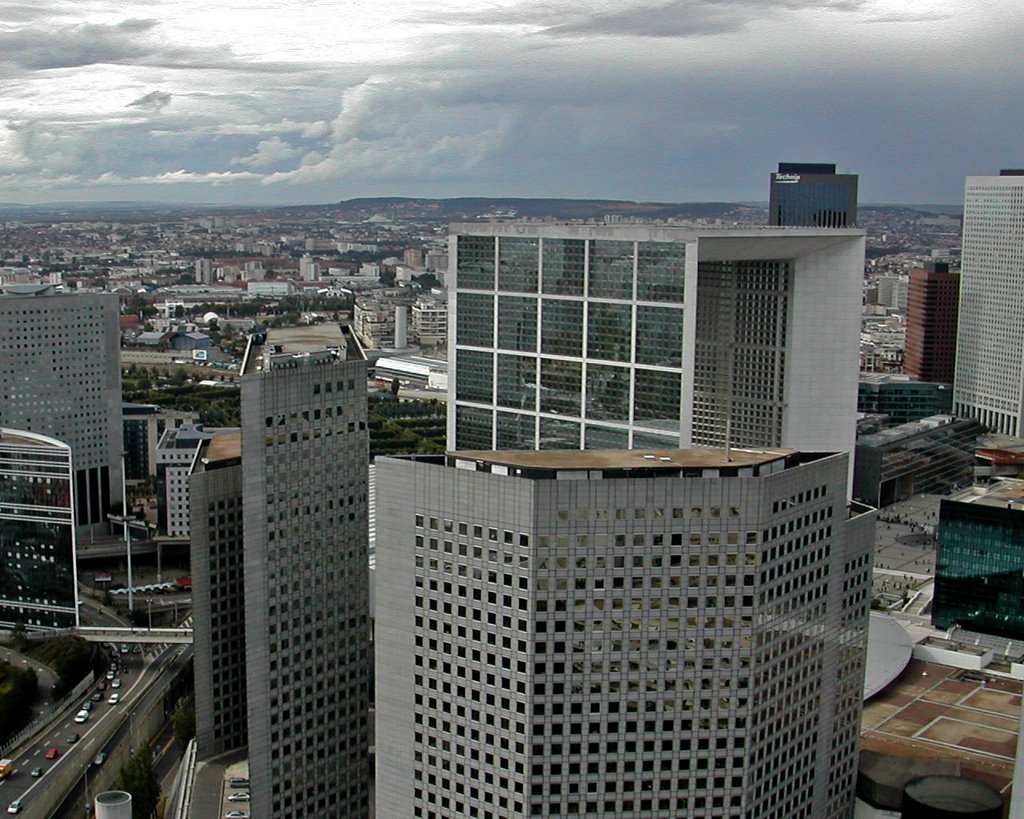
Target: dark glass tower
[(812, 194)]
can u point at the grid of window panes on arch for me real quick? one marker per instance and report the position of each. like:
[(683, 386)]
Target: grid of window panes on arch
[(568, 343)]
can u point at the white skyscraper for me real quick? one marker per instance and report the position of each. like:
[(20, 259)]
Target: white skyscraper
[(989, 380), (617, 336), (619, 634)]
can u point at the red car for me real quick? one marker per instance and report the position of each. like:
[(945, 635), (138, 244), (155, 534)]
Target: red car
[(53, 753), (102, 686)]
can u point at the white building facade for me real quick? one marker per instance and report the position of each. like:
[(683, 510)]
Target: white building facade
[(619, 634), (586, 336), (989, 379)]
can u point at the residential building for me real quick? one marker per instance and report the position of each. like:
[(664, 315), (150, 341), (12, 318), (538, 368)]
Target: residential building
[(979, 565), (619, 634), (430, 321), (933, 455), (38, 582), (989, 379), (619, 336), (932, 309), (218, 595), (812, 195), (305, 452), (60, 377), (375, 317), (902, 397)]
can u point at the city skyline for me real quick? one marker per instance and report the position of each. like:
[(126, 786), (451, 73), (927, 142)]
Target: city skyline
[(285, 102)]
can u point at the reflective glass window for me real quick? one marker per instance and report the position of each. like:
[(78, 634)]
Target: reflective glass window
[(647, 440), (473, 428), (517, 323), (561, 386), (563, 266), (474, 320), (562, 327), (611, 269), (609, 331), (656, 401), (514, 431), (474, 377), (605, 438), (517, 264), (475, 266), (659, 336), (608, 393), (556, 433), (660, 271), (517, 381)]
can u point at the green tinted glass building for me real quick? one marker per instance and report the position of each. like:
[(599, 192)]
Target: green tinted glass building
[(979, 571)]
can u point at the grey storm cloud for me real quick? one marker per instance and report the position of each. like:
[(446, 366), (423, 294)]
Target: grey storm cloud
[(54, 46), (689, 18)]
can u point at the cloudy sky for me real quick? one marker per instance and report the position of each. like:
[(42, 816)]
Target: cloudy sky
[(303, 101)]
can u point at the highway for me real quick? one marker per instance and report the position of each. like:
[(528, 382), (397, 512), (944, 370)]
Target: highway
[(134, 693)]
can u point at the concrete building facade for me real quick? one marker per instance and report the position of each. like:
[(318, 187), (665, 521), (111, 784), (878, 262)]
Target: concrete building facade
[(305, 453), (60, 376), (619, 634), (586, 336), (989, 379), (218, 596)]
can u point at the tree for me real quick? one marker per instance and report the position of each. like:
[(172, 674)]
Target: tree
[(184, 723), (138, 778)]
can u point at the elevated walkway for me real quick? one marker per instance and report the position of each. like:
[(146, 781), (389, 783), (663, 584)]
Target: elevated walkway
[(109, 634)]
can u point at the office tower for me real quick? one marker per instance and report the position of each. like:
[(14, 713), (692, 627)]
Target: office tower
[(807, 194), (38, 584), (979, 563), (901, 397), (619, 634), (144, 424), (204, 271), (60, 376), (989, 379), (606, 337), (305, 451), (176, 455), (218, 595), (932, 307)]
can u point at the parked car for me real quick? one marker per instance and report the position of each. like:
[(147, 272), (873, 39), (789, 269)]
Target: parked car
[(236, 814), (243, 796), (238, 782)]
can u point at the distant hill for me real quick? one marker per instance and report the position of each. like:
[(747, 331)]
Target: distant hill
[(397, 208)]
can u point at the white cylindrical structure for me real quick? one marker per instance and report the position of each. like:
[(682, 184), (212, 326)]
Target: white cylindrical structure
[(401, 331), (113, 805)]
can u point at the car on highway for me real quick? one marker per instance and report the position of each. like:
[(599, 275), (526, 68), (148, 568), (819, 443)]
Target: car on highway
[(110, 675), (87, 705), (239, 797), (97, 696), (82, 716), (53, 753), (100, 758), (114, 699), (73, 738), (36, 773), (115, 683), (14, 807), (136, 649), (124, 648)]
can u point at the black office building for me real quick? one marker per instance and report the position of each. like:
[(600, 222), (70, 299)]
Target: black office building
[(812, 194)]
